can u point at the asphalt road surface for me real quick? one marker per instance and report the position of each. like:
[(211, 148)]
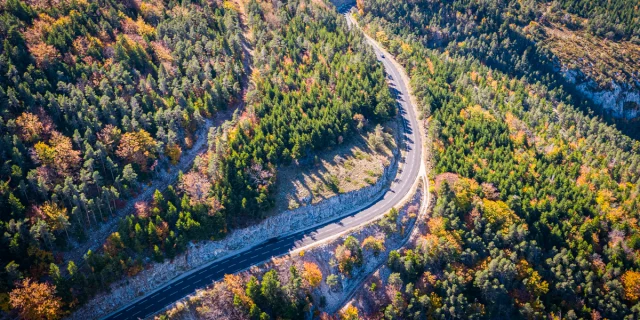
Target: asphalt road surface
[(405, 178)]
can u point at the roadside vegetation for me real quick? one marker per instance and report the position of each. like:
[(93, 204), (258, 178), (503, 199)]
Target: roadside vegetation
[(103, 97), (536, 203), (530, 40), (307, 283)]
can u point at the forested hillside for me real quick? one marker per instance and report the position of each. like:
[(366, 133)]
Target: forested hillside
[(537, 203), (536, 40), (617, 19), (315, 83), (97, 98), (101, 97)]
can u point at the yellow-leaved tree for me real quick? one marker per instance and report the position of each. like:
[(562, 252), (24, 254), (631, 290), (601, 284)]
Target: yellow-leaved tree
[(631, 283), (350, 313), (137, 147)]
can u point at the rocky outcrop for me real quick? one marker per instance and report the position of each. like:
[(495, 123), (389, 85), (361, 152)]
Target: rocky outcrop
[(618, 100), (199, 254), (410, 212)]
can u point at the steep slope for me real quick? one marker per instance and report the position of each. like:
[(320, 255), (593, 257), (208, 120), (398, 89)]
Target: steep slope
[(536, 203), (98, 99), (104, 97), (326, 263), (537, 40)]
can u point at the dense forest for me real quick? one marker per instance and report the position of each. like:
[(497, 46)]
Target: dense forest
[(517, 38), (98, 98), (537, 203), (537, 200), (102, 97), (313, 80), (617, 19)]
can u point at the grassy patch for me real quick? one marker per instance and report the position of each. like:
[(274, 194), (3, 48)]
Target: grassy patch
[(348, 165), (372, 173), (332, 182)]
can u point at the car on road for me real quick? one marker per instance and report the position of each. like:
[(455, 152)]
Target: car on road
[(273, 240), (382, 56)]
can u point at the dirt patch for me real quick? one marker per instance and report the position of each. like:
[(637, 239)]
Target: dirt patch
[(350, 166)]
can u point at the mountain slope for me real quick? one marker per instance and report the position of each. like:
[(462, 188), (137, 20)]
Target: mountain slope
[(103, 97), (536, 203), (537, 40)]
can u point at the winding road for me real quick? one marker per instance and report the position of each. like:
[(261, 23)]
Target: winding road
[(411, 167)]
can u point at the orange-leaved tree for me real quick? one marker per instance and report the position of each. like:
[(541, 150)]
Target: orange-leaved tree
[(58, 154), (30, 126), (137, 147), (312, 274), (35, 300)]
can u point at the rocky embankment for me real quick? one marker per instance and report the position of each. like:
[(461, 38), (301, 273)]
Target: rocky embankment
[(202, 253), (618, 100), (392, 232)]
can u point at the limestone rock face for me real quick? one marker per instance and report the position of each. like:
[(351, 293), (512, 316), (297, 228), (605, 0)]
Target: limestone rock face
[(618, 100)]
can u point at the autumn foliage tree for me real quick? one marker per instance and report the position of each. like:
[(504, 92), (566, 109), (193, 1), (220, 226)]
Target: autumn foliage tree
[(173, 151), (137, 147), (349, 255), (196, 186), (58, 154), (350, 313), (312, 274), (44, 54), (631, 283), (30, 126), (373, 244), (56, 216), (34, 300), (109, 136)]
